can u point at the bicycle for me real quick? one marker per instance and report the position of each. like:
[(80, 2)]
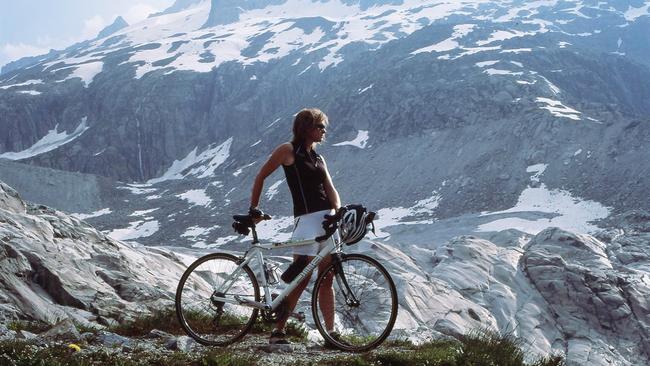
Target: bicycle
[(218, 297)]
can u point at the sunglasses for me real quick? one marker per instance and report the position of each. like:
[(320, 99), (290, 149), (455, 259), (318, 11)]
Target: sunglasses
[(320, 126)]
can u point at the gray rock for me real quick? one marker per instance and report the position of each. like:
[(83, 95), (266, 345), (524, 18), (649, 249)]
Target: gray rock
[(54, 266), (449, 328), (283, 348), (109, 322), (23, 334), (112, 340), (159, 334), (6, 333), (182, 343), (64, 330), (591, 303)]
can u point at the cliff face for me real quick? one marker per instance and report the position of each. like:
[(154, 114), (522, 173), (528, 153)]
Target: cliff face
[(55, 266)]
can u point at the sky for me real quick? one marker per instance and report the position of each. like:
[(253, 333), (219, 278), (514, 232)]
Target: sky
[(33, 27)]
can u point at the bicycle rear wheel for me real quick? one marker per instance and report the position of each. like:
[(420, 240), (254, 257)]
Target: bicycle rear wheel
[(365, 303), (208, 321)]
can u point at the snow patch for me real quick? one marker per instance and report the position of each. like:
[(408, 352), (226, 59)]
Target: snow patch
[(240, 170), (365, 89), (492, 71), (216, 156), (136, 229), (195, 232), (273, 190), (448, 44), (30, 92), (568, 212), (631, 14), (51, 141), (86, 72), (138, 188), (558, 109), (538, 169), (219, 242), (25, 83), (524, 82), (82, 216), (143, 212), (517, 50), (502, 35), (554, 89), (360, 141), (392, 216), (196, 197), (487, 63)]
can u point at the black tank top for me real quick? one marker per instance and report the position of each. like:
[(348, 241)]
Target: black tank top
[(306, 178)]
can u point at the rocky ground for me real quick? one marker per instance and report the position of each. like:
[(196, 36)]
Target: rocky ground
[(583, 296), (63, 344), (64, 338)]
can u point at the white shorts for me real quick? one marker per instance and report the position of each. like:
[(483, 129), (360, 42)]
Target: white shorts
[(309, 226)]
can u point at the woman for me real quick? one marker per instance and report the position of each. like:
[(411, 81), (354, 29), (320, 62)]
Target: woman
[(313, 196)]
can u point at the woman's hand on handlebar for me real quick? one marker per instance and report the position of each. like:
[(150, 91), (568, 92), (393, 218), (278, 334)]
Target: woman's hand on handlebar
[(257, 215)]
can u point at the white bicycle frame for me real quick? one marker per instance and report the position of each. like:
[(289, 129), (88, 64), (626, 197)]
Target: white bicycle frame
[(256, 253)]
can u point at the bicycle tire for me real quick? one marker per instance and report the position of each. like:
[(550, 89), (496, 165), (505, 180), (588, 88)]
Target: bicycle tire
[(365, 324), (207, 321)]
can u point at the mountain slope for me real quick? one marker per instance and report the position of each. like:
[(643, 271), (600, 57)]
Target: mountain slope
[(455, 101)]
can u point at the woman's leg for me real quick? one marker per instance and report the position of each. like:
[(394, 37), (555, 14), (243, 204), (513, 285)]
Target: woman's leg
[(326, 295), (292, 299)]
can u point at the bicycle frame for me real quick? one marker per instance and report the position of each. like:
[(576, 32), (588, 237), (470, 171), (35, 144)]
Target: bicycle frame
[(256, 253)]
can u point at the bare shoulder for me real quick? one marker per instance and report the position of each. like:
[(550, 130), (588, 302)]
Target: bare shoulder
[(284, 153), (285, 147)]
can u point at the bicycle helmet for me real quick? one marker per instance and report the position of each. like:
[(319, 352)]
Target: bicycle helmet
[(354, 224)]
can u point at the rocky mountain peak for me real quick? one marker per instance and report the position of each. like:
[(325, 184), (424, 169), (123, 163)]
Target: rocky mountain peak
[(118, 24)]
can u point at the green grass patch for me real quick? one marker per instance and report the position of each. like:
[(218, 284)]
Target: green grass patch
[(480, 347), (164, 319), (485, 347), (29, 326), (398, 343), (22, 353)]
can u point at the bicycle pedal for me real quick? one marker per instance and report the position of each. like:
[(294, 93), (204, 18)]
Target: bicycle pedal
[(300, 316)]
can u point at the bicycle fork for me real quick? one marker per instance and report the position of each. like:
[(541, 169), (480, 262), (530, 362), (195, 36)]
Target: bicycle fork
[(350, 298)]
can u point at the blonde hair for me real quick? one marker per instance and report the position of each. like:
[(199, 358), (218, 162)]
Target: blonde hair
[(305, 120)]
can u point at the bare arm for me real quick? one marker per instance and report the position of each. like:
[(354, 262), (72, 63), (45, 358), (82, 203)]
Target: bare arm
[(330, 191), (281, 155)]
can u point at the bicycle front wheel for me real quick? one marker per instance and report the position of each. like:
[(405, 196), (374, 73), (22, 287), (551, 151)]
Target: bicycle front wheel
[(364, 303), (202, 316)]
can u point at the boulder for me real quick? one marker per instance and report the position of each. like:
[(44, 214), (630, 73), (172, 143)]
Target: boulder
[(64, 330), (182, 343), (6, 333), (596, 309), (112, 340)]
